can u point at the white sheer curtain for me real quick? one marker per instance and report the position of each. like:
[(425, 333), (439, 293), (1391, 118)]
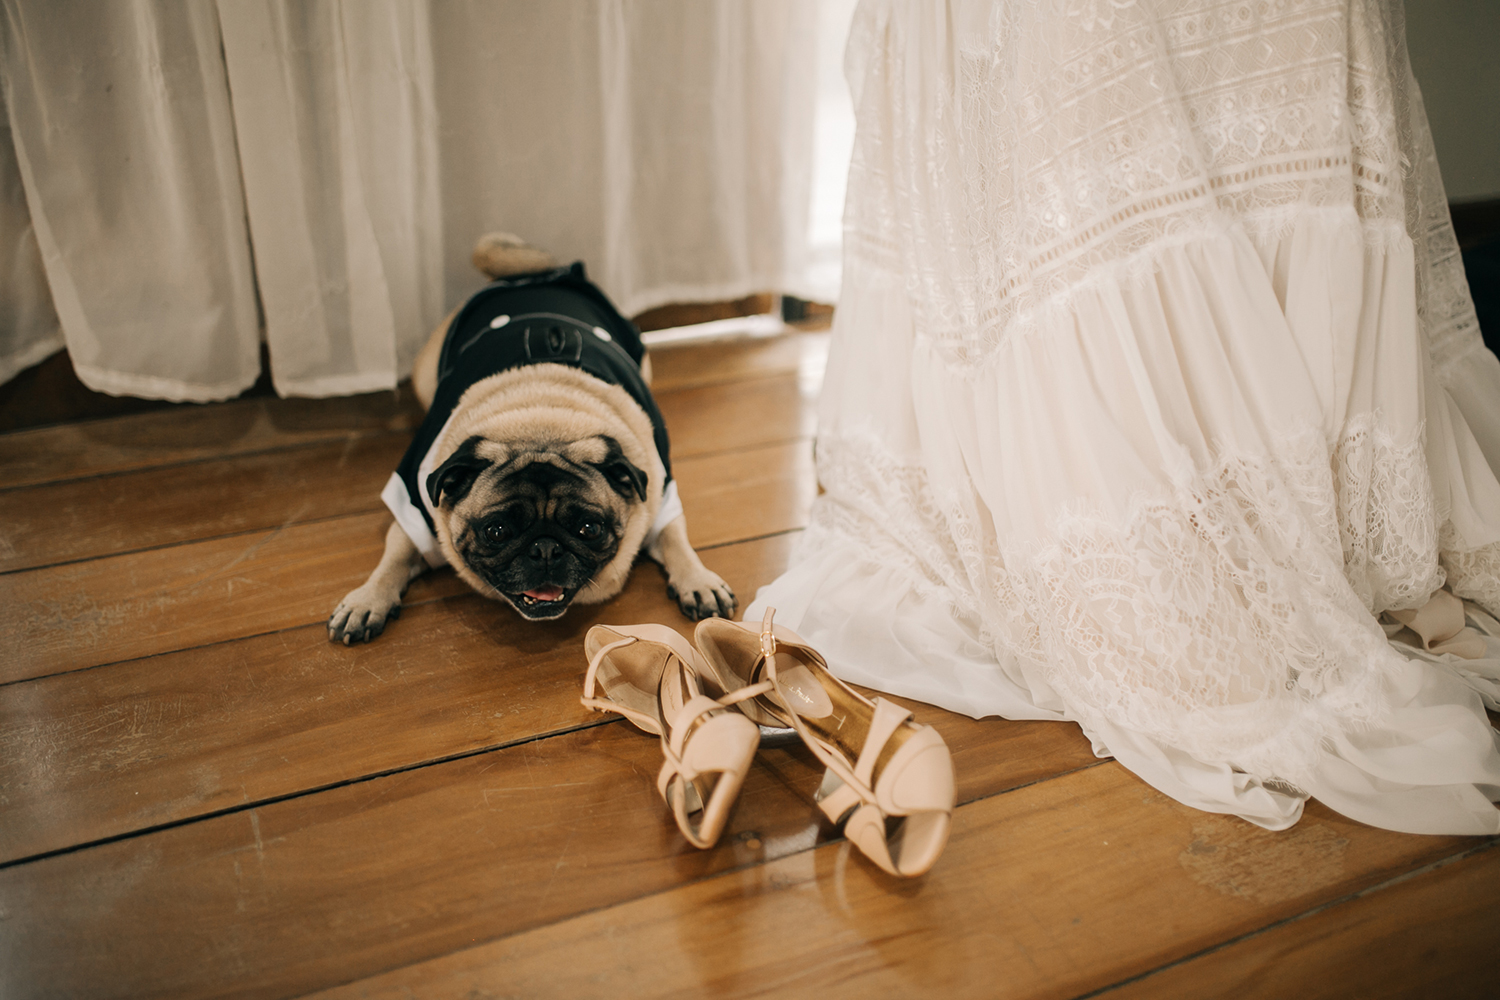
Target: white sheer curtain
[(195, 171), (28, 323), (337, 129), (125, 142)]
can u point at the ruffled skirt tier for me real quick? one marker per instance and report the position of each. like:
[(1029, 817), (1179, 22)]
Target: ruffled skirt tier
[(1172, 505)]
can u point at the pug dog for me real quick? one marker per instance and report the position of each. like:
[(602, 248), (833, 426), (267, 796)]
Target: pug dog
[(542, 465)]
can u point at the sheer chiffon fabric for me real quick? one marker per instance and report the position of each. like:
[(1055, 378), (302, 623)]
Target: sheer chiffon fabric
[(176, 177), (1155, 382)]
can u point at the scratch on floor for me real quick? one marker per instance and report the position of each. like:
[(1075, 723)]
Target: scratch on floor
[(562, 858), (260, 543), (260, 846)]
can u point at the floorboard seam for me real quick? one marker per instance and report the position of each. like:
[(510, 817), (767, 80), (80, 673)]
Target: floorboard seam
[(304, 792), (749, 539), (693, 456), (782, 374), (793, 371), (712, 876), (205, 459), (272, 529), (1037, 781), (1370, 890), (315, 624), (219, 642), (363, 512)]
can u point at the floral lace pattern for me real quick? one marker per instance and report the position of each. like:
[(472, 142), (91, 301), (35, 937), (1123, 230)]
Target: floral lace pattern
[(1474, 573), (1069, 138), (1229, 617), (1387, 519)]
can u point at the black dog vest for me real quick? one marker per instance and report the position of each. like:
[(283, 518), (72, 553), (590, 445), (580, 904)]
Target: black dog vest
[(556, 317)]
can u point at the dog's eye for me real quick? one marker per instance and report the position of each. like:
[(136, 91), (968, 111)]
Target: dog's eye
[(590, 530), (497, 533)]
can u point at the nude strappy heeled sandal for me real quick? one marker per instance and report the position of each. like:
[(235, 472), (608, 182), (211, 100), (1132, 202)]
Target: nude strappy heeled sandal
[(650, 675), (889, 781)]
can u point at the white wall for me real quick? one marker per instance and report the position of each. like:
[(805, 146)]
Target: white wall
[(1455, 54)]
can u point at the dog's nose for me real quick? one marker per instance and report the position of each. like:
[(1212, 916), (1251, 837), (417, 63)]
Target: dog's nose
[(542, 549)]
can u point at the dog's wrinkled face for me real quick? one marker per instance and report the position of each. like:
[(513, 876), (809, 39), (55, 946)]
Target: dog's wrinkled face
[(537, 520)]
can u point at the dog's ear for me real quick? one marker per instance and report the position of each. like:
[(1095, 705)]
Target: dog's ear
[(623, 475), (457, 473)]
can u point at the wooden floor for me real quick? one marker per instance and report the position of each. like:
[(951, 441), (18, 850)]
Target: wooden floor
[(201, 796)]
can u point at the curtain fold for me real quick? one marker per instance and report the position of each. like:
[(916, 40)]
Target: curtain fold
[(125, 145), (668, 145), (708, 115), (29, 331), (333, 106), (202, 176)]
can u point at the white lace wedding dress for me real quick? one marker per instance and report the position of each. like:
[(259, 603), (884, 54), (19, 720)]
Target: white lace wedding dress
[(1155, 381)]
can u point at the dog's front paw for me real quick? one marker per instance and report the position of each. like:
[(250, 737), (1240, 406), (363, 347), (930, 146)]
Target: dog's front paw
[(702, 594), (362, 614)]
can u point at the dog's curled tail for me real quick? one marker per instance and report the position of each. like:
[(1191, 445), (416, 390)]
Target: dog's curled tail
[(504, 255)]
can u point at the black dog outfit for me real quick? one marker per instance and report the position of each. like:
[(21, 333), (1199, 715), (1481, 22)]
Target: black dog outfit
[(556, 317)]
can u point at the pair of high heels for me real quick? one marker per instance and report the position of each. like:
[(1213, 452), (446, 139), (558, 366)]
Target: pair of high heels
[(888, 783)]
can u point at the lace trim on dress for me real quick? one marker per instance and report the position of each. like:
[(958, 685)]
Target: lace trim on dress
[(1474, 574), (1231, 616), (1065, 138), (1387, 517)]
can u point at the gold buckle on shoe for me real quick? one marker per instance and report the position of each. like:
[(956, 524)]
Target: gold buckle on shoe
[(767, 639)]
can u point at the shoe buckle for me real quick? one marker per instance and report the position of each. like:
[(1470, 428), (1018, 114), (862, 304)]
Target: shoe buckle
[(767, 638)]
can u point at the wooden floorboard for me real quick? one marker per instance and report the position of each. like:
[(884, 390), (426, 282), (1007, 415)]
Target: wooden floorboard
[(714, 419), (161, 739), (747, 493), (81, 614), (1441, 923), (101, 509), (165, 437), (1051, 890), (118, 608), (151, 508), (737, 361), (528, 834), (201, 796)]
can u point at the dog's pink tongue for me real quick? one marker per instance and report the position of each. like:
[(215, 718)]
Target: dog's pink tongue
[(548, 593)]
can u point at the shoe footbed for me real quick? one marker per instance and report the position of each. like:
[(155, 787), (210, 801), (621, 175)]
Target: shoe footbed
[(620, 678), (840, 717), (731, 645), (630, 675)]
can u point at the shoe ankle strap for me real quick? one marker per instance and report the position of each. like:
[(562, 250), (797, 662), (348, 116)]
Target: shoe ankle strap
[(598, 658)]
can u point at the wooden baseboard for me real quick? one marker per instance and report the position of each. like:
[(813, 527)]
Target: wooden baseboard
[(691, 313), (51, 393)]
